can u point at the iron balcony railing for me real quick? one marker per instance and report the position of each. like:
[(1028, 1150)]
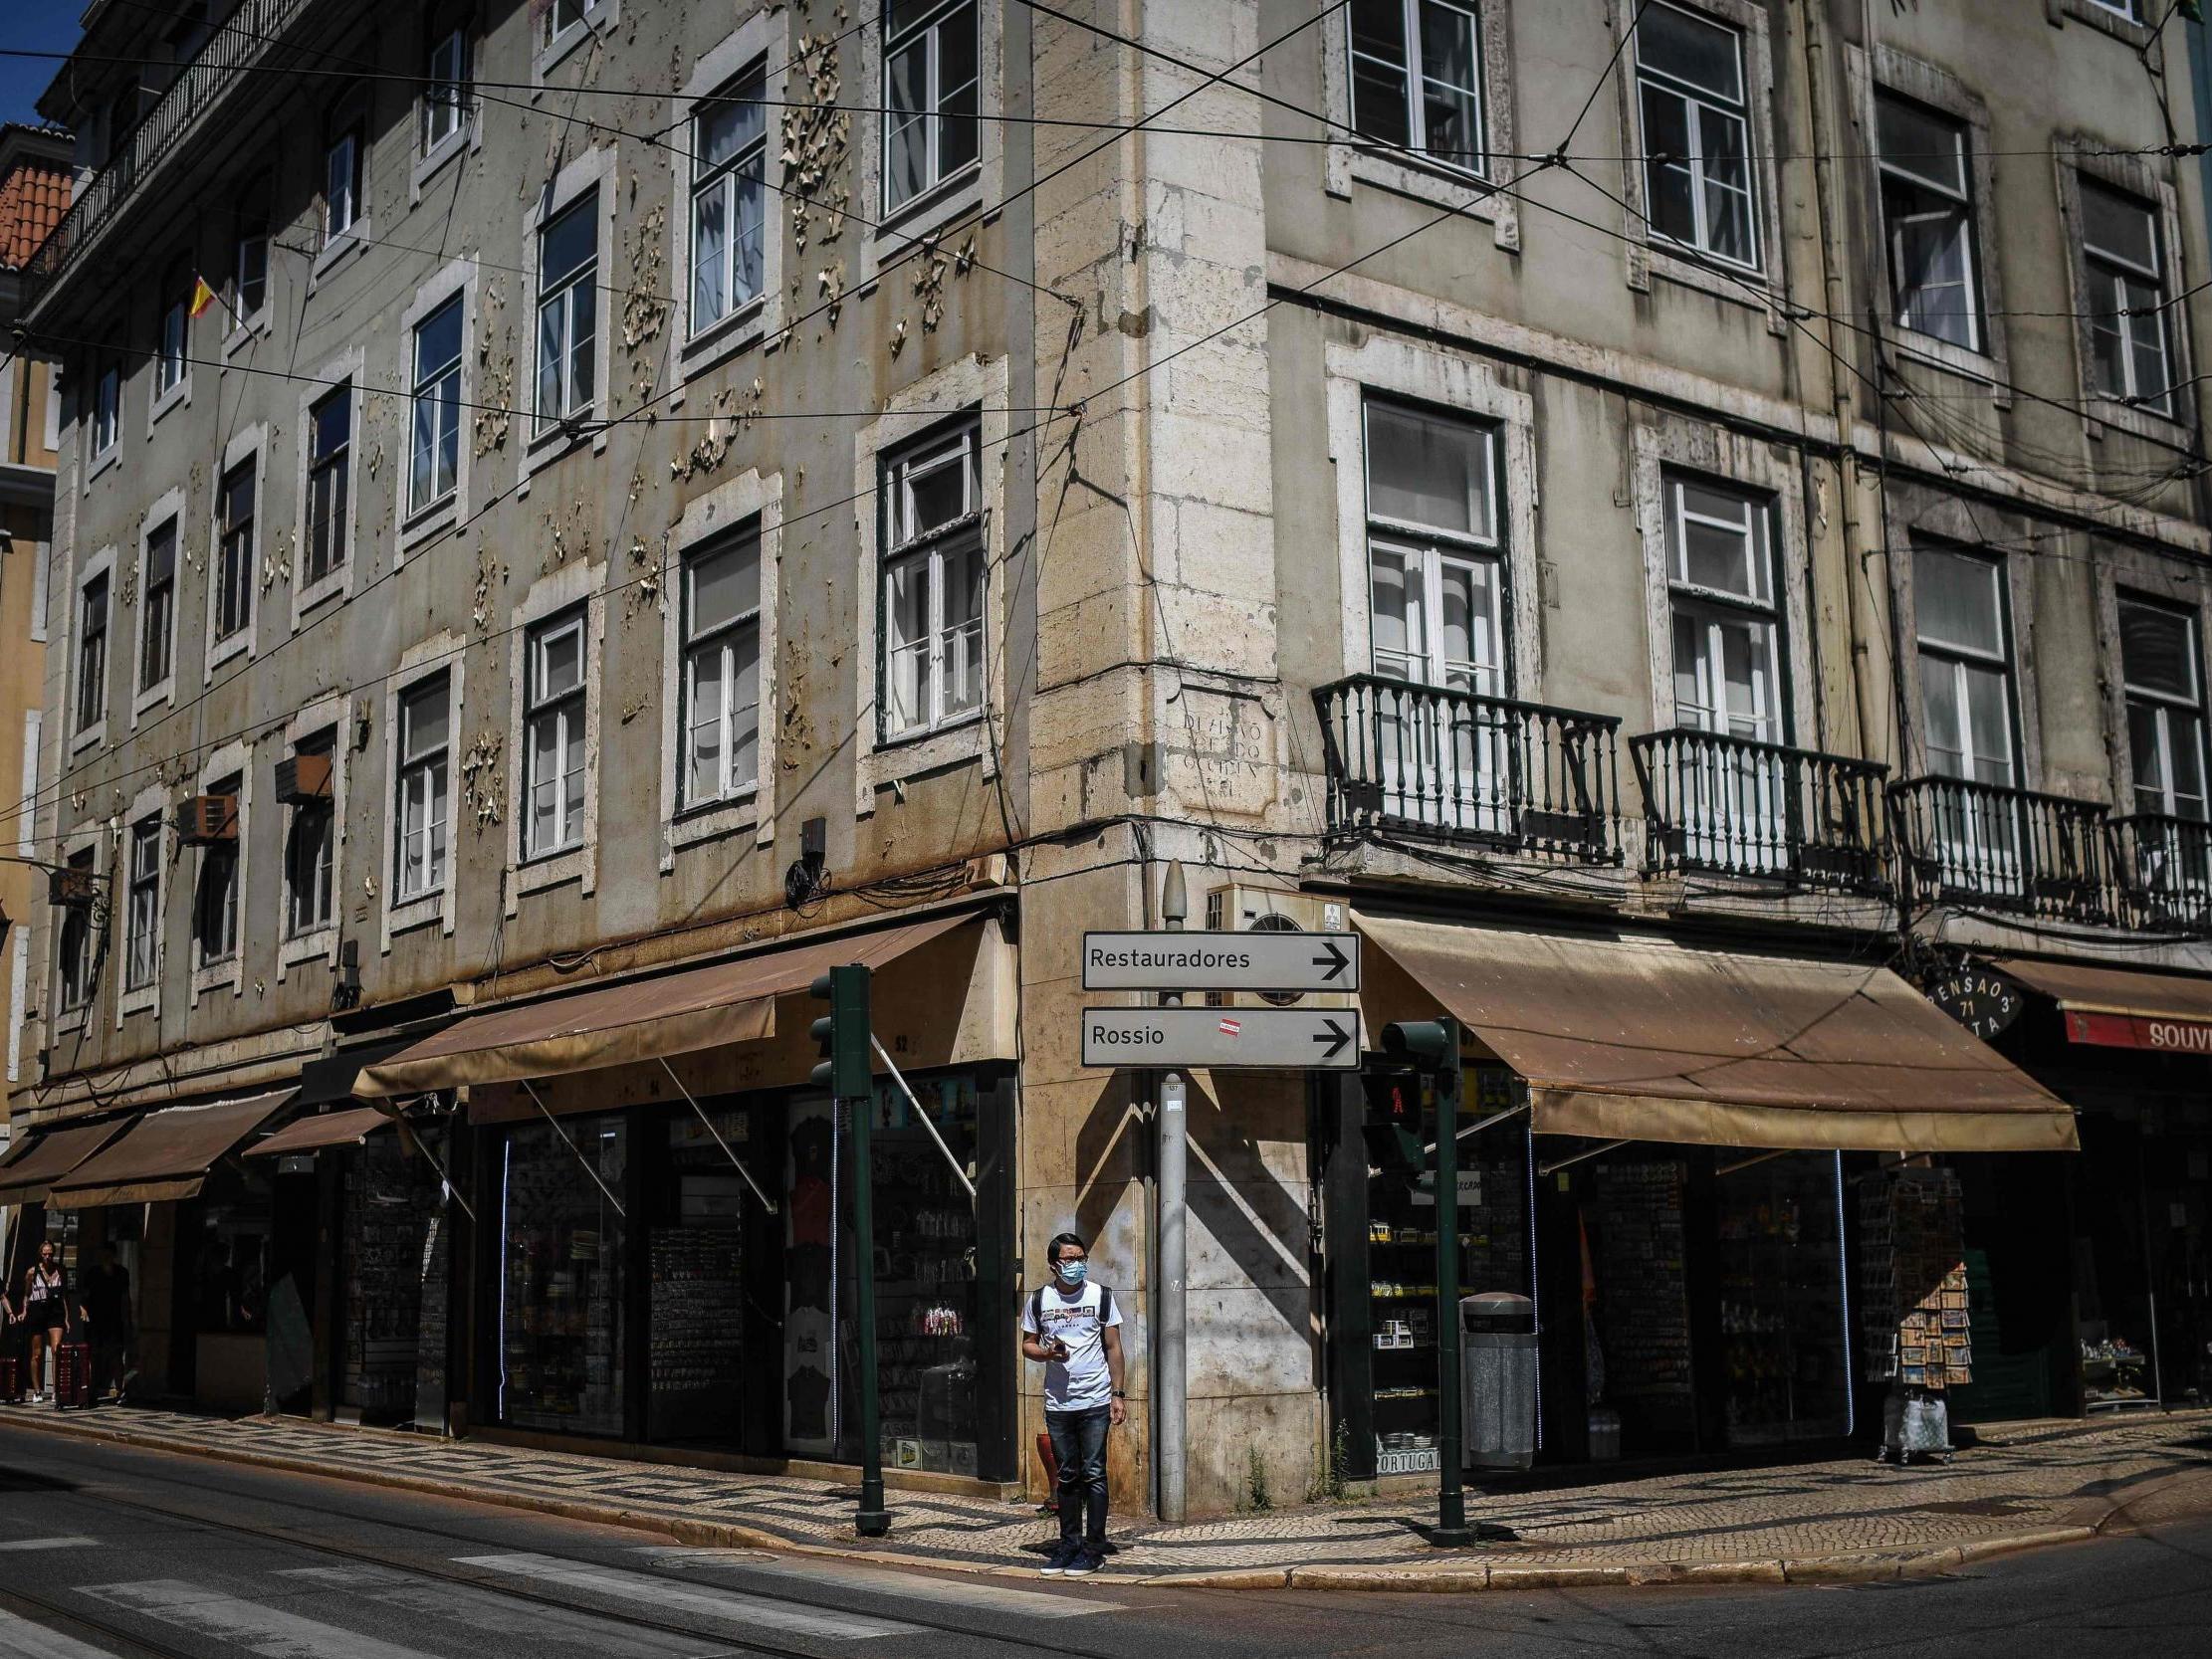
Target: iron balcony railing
[(2009, 849), (1430, 762), (222, 64), (2165, 871), (1744, 808)]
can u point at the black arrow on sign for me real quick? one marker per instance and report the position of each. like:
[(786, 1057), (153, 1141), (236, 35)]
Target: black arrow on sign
[(1337, 1031), (1336, 961)]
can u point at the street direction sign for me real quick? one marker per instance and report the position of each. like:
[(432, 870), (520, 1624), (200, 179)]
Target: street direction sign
[(1246, 961), (1224, 1039)]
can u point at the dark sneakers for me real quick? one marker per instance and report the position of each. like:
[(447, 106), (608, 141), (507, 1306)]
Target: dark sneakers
[(1087, 1560), (1064, 1556)]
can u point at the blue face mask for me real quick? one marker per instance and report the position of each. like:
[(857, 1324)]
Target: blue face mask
[(1074, 1272)]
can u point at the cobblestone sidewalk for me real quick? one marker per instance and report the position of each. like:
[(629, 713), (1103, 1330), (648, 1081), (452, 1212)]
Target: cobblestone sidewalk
[(2023, 1484)]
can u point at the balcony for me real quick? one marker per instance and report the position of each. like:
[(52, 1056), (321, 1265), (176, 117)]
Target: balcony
[(1431, 763), (2164, 866), (1736, 807), (221, 70), (2008, 848)]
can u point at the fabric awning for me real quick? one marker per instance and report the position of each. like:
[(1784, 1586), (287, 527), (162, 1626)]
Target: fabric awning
[(639, 1019), (1626, 1038), (2121, 1007), (166, 1154), (38, 1163), (328, 1128)]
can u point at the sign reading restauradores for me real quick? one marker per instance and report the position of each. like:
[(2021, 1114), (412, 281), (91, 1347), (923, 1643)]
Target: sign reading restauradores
[(1246, 961), (1224, 1039)]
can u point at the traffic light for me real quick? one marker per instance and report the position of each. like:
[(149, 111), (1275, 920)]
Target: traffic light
[(843, 1034), (1425, 1045)]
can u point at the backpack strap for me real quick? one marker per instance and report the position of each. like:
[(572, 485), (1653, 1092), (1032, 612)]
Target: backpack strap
[(1036, 1310), (1105, 1307)]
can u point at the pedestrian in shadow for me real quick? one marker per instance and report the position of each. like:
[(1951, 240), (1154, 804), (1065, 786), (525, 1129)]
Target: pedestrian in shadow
[(44, 1309)]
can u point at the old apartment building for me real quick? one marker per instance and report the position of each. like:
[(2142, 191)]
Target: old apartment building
[(1681, 522)]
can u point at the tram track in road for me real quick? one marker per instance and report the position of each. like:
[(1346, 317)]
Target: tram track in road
[(507, 1585), (68, 1620)]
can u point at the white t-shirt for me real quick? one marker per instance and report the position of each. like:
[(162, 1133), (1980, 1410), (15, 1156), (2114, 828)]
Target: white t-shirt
[(1082, 1382)]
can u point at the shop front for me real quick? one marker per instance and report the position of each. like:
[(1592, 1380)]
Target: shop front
[(1688, 1158), (666, 1210)]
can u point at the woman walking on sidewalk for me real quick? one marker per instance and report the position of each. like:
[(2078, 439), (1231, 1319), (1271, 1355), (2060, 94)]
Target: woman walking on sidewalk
[(45, 1310)]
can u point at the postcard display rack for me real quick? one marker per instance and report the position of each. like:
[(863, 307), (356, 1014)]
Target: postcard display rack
[(1913, 1303), (693, 1383), (386, 1208), (562, 1315)]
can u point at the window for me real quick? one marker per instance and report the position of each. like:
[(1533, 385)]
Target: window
[(329, 459), (565, 15), (234, 554), (124, 109), (933, 586), (142, 956), (1966, 691), (568, 307), (722, 669), (729, 146), (1927, 208), (434, 449), (2165, 707), (106, 409), (424, 789), (309, 846), (75, 968), (929, 92), (215, 900), (172, 332), (342, 184), (2127, 9), (1720, 580), (248, 274), (445, 89), (157, 609), (91, 652), (2125, 267), (1416, 77), (1689, 88), (1433, 578), (552, 736)]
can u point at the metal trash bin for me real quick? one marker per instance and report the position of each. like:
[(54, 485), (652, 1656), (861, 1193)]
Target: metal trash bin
[(1498, 1379)]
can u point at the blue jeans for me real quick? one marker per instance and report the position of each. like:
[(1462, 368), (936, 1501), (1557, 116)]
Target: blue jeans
[(1079, 1442)]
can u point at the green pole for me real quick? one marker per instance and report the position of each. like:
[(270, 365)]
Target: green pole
[(1452, 1499), (873, 1519)]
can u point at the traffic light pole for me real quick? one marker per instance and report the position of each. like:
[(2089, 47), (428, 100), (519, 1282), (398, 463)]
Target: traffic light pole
[(846, 1036), (1451, 1498)]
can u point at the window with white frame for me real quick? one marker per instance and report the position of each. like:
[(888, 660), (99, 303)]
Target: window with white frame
[(141, 952), (565, 15), (1696, 133), (342, 182), (106, 409), (722, 669), (1435, 583), (310, 847), (1927, 208), (91, 652), (567, 311), (445, 84), (434, 443), (932, 668), (157, 607), (423, 792), (215, 898), (2159, 665), (1416, 77), (1720, 589), (2129, 10), (248, 274), (329, 460), (73, 952), (554, 694), (2123, 256), (931, 54), (1966, 650), (729, 152), (234, 553), (172, 333)]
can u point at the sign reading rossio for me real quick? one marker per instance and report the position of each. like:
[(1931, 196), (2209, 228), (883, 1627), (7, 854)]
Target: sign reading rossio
[(1252, 961)]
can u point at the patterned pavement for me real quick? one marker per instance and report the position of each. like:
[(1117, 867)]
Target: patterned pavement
[(2021, 1479)]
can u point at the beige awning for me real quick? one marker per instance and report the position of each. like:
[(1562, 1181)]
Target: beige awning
[(1636, 1038), (638, 1019), (166, 1154), (328, 1128), (38, 1163), (2114, 990)]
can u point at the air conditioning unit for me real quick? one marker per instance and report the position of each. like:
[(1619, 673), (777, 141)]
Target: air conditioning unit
[(304, 778), (71, 887), (207, 820), (1238, 908)]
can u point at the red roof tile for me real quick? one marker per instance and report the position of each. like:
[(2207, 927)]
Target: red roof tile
[(33, 198)]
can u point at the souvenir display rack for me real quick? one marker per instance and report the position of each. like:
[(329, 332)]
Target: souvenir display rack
[(1914, 1302)]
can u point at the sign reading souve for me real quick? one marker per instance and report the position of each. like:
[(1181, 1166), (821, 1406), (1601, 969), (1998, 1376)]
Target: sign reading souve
[(2167, 1036), (1247, 962), (1233, 1039)]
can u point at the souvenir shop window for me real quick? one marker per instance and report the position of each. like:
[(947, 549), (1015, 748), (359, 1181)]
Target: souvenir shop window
[(560, 1276), (695, 1371), (230, 1270), (1780, 1227)]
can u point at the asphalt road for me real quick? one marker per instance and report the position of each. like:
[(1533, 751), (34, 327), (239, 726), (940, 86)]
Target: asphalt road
[(111, 1552)]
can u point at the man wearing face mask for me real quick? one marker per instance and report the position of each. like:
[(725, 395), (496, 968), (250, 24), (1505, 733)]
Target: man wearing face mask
[(1070, 1327)]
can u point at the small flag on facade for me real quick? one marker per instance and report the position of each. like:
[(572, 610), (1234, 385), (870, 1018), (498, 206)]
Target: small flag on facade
[(1233, 1028), (202, 296)]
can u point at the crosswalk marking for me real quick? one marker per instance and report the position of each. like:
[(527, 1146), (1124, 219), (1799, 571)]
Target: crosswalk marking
[(248, 1627), (915, 1587), (59, 1540), (753, 1612), (508, 1617), (22, 1639)]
